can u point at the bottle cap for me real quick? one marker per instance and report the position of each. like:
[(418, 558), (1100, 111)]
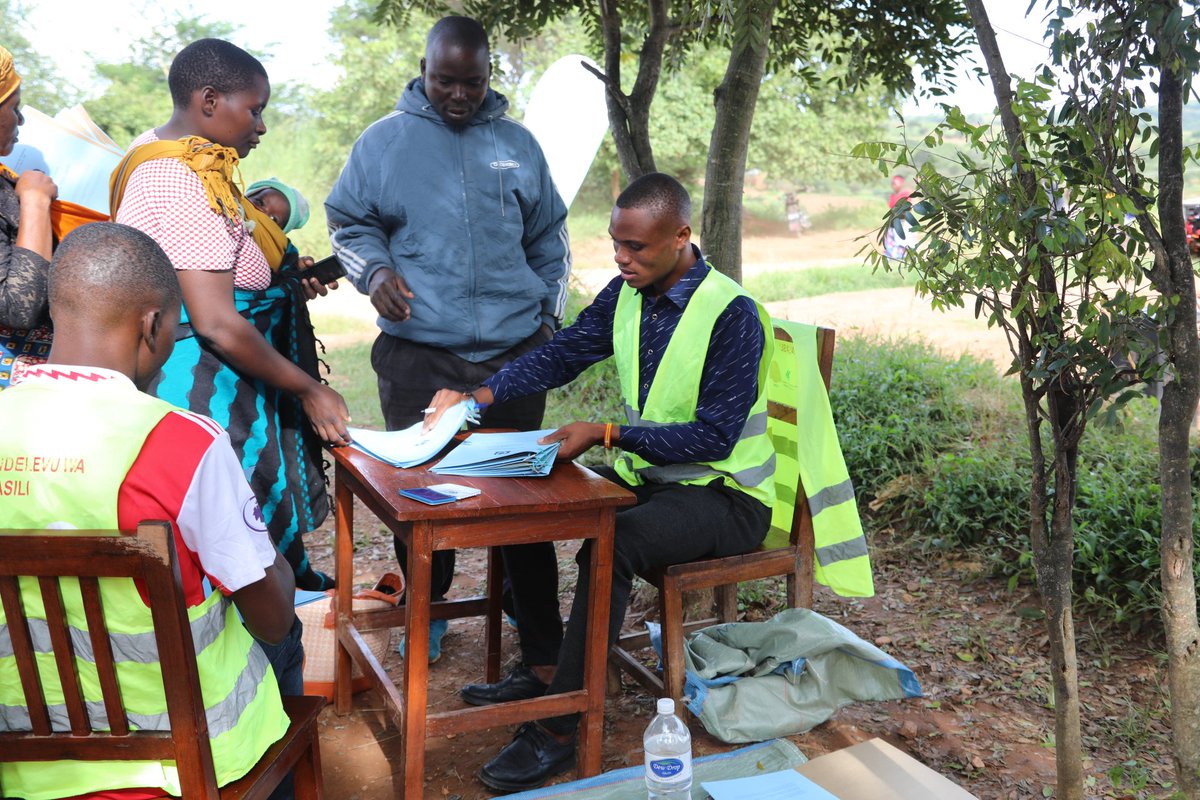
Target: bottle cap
[(666, 705)]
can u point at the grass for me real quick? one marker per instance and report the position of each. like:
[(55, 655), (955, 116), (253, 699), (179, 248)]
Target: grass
[(338, 324), (585, 223), (768, 287), (351, 374)]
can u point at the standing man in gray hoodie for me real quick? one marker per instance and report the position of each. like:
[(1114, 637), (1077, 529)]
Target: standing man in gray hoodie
[(446, 215)]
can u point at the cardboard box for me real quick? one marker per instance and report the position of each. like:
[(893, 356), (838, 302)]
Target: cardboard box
[(874, 770)]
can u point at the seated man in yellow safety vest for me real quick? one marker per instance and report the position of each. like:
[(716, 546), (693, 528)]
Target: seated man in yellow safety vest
[(691, 349), (123, 457)]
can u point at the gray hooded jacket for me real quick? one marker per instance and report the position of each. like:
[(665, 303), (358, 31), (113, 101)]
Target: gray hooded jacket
[(469, 217)]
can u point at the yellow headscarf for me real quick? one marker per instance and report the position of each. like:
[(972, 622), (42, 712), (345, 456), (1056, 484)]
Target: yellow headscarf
[(215, 166), (9, 79)]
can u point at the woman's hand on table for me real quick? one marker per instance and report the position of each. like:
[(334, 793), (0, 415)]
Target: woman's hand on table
[(327, 412)]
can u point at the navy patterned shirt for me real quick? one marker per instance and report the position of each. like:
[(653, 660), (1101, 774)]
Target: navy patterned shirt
[(728, 383)]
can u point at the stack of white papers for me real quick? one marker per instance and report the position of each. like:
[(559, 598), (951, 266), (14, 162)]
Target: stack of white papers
[(784, 785), (413, 445), (500, 455)]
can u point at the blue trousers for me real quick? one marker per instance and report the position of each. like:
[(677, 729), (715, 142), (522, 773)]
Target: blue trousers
[(287, 661)]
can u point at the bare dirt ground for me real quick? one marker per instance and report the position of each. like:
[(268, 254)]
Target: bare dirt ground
[(977, 648)]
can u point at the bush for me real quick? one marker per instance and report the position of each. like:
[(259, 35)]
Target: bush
[(977, 497), (897, 405)]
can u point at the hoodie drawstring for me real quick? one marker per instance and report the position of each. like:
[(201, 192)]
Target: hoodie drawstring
[(499, 169)]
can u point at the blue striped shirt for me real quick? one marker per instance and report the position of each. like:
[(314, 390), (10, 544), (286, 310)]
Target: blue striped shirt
[(728, 383)]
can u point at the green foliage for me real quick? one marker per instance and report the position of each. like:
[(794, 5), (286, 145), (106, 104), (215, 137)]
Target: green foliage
[(376, 62), (41, 86), (137, 97), (938, 443), (897, 404), (290, 152), (840, 218), (804, 130), (977, 495)]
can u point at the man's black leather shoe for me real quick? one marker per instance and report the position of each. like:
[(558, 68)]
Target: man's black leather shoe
[(528, 761), (520, 684)]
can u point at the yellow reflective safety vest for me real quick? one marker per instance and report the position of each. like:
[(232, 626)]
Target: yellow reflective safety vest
[(794, 380), (673, 395), (99, 430)]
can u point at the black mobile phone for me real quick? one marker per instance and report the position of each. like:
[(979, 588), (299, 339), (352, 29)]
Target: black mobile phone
[(430, 497), (327, 270)]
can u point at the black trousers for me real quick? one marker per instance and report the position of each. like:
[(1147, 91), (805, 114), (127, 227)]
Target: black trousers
[(671, 524), (409, 374)]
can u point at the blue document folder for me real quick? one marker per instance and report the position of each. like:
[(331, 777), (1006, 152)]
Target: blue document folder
[(500, 455)]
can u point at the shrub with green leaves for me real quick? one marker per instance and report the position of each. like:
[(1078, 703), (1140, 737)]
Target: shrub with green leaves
[(897, 404), (979, 496)]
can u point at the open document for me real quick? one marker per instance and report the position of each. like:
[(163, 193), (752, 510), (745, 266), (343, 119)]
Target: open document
[(413, 445), (500, 455)]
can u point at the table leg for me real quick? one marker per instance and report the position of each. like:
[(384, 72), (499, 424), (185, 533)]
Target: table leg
[(416, 658), (343, 573), (591, 727), (491, 635)]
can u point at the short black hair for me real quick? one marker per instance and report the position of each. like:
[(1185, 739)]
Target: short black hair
[(464, 32), (212, 62), (659, 193), (105, 269)]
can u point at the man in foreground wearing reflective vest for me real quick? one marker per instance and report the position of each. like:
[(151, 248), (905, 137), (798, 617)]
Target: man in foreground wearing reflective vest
[(92, 451), (691, 349)]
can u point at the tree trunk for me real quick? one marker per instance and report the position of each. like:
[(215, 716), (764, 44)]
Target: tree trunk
[(1054, 585), (1054, 556), (1178, 409), (734, 99), (629, 115)]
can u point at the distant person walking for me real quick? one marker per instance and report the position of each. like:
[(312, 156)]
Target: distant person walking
[(899, 191), (895, 244), (798, 222)]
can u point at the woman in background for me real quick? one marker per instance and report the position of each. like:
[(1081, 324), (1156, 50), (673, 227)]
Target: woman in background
[(25, 238)]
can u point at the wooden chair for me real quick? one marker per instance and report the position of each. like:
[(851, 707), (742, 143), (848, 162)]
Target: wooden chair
[(795, 561), (149, 556)]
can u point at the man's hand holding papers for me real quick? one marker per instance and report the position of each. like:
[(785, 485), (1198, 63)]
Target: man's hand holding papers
[(577, 438), (415, 444)]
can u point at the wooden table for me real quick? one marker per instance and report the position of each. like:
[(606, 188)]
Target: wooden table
[(570, 503)]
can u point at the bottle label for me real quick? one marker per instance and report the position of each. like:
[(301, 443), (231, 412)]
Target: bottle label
[(669, 769)]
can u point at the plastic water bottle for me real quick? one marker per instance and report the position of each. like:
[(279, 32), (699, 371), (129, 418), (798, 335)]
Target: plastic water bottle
[(668, 746)]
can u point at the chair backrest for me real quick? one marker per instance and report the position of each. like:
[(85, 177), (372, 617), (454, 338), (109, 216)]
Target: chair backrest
[(791, 519), (38, 559)]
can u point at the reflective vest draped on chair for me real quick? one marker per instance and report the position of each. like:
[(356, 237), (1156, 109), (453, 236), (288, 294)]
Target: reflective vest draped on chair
[(794, 380), (243, 709)]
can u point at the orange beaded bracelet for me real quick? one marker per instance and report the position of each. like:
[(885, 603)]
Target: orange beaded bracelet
[(608, 435)]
